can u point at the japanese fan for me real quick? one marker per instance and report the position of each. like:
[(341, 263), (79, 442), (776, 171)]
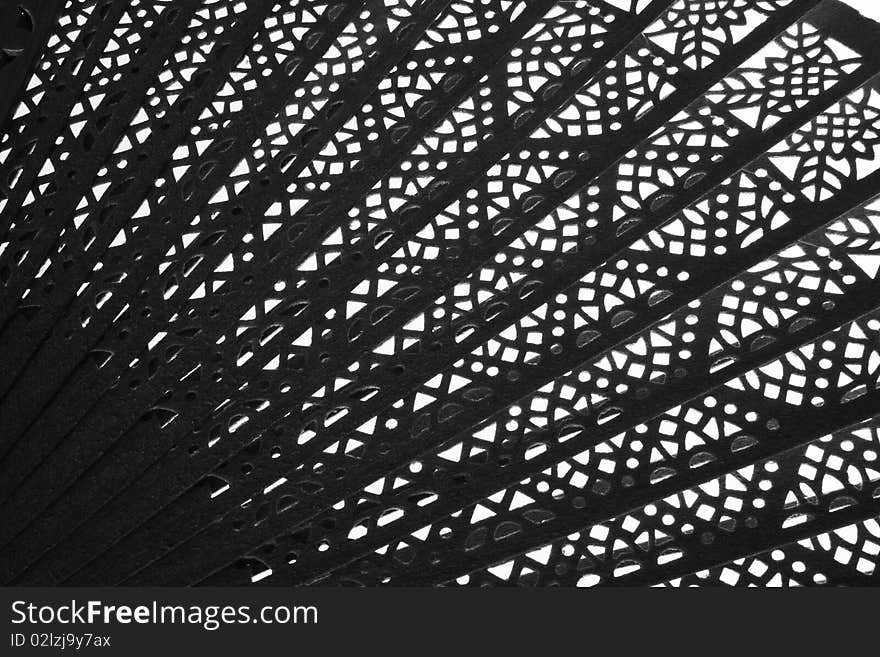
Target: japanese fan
[(439, 292)]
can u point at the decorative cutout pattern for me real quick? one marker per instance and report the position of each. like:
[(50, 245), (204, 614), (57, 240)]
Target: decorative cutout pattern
[(438, 292)]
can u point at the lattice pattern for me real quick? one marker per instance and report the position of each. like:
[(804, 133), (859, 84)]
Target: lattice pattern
[(438, 292)]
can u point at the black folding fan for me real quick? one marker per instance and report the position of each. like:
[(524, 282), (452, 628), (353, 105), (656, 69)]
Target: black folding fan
[(439, 292)]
